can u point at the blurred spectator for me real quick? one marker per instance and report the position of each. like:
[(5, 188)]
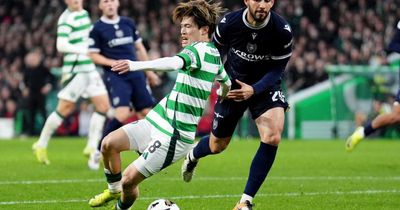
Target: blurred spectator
[(38, 82)]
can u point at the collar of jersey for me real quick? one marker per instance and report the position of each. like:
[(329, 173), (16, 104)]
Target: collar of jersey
[(252, 27), (109, 21)]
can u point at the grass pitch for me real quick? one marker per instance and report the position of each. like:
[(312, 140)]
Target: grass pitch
[(306, 175)]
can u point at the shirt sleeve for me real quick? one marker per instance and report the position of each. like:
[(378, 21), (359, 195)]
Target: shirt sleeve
[(220, 36), (94, 40), (284, 44), (191, 58), (394, 44), (136, 34)]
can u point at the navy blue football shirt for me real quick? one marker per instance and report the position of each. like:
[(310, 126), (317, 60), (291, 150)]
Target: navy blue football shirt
[(255, 55), (114, 39)]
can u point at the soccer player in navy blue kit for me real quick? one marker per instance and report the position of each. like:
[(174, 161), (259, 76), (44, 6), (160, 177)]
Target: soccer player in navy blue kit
[(115, 37), (385, 119), (258, 45)]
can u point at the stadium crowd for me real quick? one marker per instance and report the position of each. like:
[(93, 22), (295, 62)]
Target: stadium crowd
[(326, 32)]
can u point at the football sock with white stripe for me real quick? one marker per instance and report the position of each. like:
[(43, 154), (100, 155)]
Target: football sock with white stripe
[(53, 121), (113, 181), (95, 129)]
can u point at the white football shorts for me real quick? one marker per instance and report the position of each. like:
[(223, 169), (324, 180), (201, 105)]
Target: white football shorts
[(85, 84), (158, 150)]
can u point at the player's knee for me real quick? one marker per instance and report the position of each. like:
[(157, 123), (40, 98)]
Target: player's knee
[(272, 139), (218, 147), (102, 108), (107, 144), (127, 182), (121, 114)]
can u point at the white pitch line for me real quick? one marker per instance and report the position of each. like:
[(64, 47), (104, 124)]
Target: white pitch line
[(68, 181), (288, 194)]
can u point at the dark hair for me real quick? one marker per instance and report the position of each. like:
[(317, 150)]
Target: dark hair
[(204, 13)]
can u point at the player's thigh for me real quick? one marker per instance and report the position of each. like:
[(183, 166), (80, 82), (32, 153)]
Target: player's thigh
[(270, 125), (268, 110), (101, 103), (139, 134), (65, 107), (226, 116), (117, 140), (161, 152)]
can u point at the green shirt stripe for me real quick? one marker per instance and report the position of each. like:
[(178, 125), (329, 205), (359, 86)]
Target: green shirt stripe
[(192, 91)]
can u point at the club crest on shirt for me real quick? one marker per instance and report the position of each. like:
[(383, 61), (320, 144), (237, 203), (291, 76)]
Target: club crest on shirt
[(215, 124), (119, 33), (251, 47), (116, 101), (253, 35)]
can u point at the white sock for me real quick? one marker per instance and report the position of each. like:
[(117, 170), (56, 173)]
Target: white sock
[(114, 187), (191, 156), (95, 129), (52, 123), (246, 197)]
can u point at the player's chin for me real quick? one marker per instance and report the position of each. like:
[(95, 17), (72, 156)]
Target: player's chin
[(184, 43)]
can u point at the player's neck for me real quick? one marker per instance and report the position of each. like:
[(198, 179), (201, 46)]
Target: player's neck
[(110, 19), (252, 23), (75, 9)]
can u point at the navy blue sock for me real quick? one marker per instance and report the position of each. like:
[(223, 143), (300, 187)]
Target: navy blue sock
[(125, 205), (111, 126), (202, 148), (368, 129), (260, 167)]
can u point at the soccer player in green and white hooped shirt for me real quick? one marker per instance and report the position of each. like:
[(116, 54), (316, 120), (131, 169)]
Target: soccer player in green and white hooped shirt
[(168, 131), (79, 79)]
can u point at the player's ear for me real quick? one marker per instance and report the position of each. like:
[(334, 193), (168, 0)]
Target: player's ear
[(204, 30)]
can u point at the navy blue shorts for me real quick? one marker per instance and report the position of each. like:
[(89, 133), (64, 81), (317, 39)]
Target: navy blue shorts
[(228, 113), (398, 96), (128, 90)]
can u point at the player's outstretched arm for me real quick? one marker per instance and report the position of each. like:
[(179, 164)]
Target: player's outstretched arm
[(161, 64)]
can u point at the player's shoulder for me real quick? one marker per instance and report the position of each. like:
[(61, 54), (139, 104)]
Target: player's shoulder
[(64, 17), (282, 27), (232, 18), (126, 20), (71, 16), (98, 23), (205, 47)]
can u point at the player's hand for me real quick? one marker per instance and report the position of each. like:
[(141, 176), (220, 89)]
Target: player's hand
[(121, 66), (223, 91), (244, 93), (153, 78)]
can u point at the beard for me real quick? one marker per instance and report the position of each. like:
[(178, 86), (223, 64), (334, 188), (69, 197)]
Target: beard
[(259, 17)]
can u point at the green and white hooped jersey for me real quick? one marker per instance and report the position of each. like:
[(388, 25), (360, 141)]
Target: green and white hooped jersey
[(75, 25), (182, 109)]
